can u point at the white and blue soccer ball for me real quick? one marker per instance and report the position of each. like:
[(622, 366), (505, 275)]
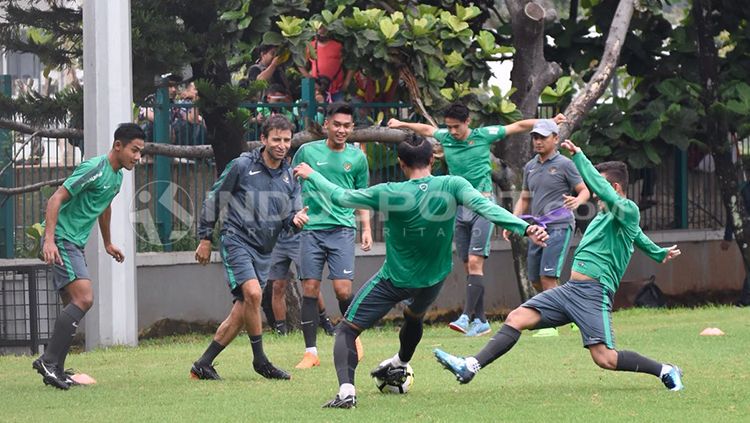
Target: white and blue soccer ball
[(400, 386)]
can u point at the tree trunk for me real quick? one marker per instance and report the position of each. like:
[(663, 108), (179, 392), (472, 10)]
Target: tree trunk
[(717, 130), (599, 82), (530, 74)]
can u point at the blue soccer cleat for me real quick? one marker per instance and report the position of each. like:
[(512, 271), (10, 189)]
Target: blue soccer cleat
[(673, 379), (455, 365), (461, 324), (478, 328)]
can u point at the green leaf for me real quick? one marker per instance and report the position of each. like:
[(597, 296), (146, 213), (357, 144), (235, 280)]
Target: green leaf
[(245, 22), (290, 26), (388, 28), (453, 22), (272, 38), (370, 35), (507, 106), (651, 153), (454, 60), (486, 41), (327, 16), (447, 93), (467, 13), (435, 72), (232, 15)]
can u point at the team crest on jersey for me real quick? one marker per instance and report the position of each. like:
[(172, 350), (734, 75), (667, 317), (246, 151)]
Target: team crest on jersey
[(423, 187), (285, 178), (347, 166), (471, 142), (552, 170)]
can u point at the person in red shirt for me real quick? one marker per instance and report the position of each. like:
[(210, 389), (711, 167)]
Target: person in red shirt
[(328, 61)]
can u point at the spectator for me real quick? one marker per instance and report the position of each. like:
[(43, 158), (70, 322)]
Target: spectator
[(276, 94), (744, 188), (146, 114), (189, 127), (327, 60), (269, 68)]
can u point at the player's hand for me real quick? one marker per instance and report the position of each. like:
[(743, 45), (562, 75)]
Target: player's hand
[(395, 123), (303, 170), (568, 145), (50, 253), (506, 235), (725, 244), (570, 202), (672, 252), (115, 252), (366, 240), (560, 118), (203, 252), (537, 235), (301, 217)]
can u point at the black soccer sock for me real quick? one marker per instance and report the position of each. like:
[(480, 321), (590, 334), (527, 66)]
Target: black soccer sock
[(62, 336), (345, 352), (629, 361), (309, 320), (344, 305), (477, 281), (259, 357), (280, 327), (213, 350), (479, 309), (499, 344), (474, 289), (409, 335)]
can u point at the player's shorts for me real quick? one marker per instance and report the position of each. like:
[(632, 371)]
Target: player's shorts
[(73, 264), (242, 263), (378, 296), (473, 233), (585, 303), (548, 261), (333, 246), (285, 252)]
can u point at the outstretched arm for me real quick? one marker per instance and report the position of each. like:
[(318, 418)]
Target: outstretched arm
[(368, 198), (653, 251), (419, 128), (526, 125)]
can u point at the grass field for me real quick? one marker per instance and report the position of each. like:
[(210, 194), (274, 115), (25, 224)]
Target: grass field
[(541, 379)]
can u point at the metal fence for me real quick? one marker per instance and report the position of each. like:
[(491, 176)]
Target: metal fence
[(29, 305), (170, 191)]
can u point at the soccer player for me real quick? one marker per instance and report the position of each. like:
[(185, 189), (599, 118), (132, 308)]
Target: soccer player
[(262, 199), (419, 219), (329, 236), (467, 154), (284, 254), (82, 199), (598, 265), (549, 179)]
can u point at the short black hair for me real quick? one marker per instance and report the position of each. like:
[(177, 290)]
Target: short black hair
[(127, 132), (339, 107), (276, 88), (457, 111), (263, 49), (278, 122), (415, 152), (614, 171)]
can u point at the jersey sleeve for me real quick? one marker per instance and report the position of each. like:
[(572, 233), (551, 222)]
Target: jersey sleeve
[(653, 251), (219, 195), (362, 179), (469, 197), (442, 135), (296, 201), (82, 177), (369, 198), (299, 156), (491, 134), (525, 183)]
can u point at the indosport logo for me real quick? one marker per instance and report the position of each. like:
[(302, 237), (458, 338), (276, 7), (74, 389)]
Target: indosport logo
[(162, 213)]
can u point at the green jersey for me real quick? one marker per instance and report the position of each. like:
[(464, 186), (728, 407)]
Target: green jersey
[(346, 169), (470, 158), (605, 250), (92, 186), (419, 216)]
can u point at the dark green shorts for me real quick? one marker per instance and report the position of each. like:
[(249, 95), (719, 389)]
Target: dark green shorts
[(73, 264), (378, 296)]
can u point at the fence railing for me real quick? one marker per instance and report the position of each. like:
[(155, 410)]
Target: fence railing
[(170, 191)]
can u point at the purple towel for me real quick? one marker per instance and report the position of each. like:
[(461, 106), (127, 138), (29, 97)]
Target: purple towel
[(557, 215)]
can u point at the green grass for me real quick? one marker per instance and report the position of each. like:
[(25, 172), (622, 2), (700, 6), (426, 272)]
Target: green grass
[(541, 379)]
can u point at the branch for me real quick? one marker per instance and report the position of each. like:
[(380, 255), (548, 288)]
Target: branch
[(586, 99), (49, 133), (29, 188)]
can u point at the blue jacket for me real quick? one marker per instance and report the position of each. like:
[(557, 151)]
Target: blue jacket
[(260, 202)]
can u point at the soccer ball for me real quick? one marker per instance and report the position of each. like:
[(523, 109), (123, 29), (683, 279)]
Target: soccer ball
[(401, 385)]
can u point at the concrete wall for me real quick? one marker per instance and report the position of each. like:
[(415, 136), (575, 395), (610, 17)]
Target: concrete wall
[(171, 285)]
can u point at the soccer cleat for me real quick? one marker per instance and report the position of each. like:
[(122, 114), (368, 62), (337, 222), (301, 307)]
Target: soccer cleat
[(455, 365), (673, 379), (203, 371), (574, 327), (326, 325), (67, 376), (478, 328), (461, 324), (390, 374), (269, 371), (360, 349), (280, 328), (51, 374), (309, 360), (349, 401), (546, 333)]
